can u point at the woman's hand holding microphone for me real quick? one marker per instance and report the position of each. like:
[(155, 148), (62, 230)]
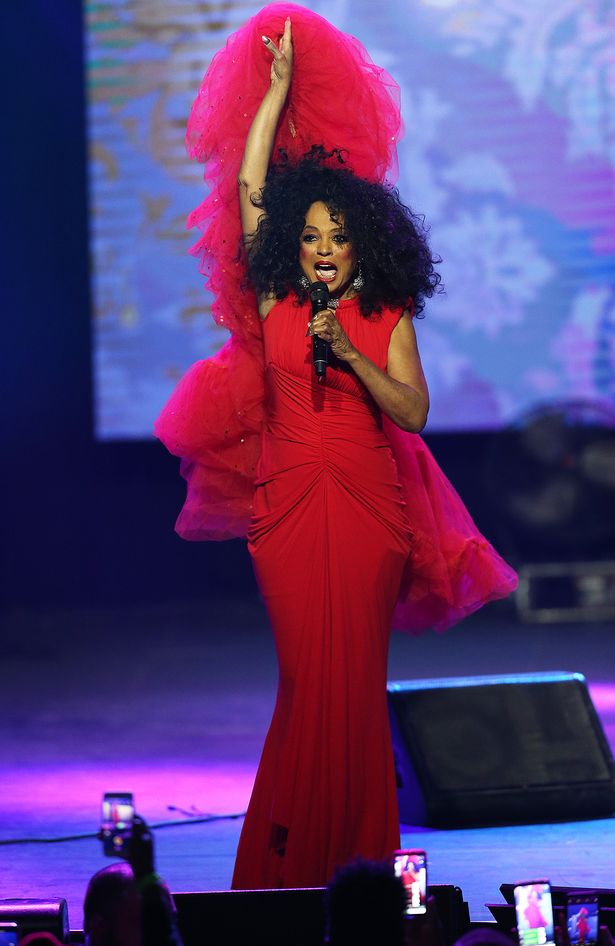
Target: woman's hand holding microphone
[(326, 326)]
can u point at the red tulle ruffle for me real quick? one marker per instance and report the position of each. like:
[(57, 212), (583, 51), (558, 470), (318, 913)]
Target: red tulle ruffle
[(452, 569), (339, 98), (213, 422)]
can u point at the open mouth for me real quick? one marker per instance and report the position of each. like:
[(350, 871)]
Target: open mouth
[(325, 271)]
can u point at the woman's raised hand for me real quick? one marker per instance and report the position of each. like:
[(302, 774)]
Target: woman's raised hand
[(282, 65), (259, 143)]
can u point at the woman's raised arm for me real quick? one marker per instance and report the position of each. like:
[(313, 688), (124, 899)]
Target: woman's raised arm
[(259, 143)]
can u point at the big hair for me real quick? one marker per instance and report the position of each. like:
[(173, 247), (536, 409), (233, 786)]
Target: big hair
[(388, 239)]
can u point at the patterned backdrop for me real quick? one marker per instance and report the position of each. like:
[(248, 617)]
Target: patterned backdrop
[(509, 152)]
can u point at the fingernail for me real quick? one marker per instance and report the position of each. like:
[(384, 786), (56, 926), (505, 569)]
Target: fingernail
[(265, 40)]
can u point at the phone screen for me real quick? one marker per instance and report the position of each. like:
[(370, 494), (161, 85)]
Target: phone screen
[(411, 867), (118, 813), (582, 919), (534, 914)]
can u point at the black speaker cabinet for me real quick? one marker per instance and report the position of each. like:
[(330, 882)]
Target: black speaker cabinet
[(281, 917), (498, 750), (36, 916), (257, 917)]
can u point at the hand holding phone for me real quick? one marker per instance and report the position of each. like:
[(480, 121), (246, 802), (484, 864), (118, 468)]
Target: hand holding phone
[(411, 867), (141, 849), (534, 910)]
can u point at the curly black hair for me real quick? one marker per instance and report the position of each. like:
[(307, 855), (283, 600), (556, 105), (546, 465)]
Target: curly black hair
[(388, 238)]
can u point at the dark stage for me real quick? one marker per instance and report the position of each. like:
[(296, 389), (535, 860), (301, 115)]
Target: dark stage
[(172, 703)]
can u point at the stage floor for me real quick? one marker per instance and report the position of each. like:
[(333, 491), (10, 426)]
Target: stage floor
[(173, 704)]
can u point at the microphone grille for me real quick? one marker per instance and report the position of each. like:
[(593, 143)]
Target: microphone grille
[(319, 290)]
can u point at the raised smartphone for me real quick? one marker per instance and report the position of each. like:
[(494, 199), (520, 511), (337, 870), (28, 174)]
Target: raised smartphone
[(582, 918), (534, 910), (411, 866), (118, 812)]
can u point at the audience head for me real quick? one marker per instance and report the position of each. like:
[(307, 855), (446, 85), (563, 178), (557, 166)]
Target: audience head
[(484, 937), (112, 908), (40, 939), (365, 904)]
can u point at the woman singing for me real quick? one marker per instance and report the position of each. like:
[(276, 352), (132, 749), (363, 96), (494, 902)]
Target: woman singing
[(349, 515)]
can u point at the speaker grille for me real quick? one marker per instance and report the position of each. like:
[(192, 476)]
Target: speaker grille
[(501, 736), (487, 750)]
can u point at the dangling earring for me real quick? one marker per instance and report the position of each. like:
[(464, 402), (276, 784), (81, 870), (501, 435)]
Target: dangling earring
[(304, 282), (359, 280)]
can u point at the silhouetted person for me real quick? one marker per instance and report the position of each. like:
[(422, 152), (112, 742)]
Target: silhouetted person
[(365, 906), (485, 937), (128, 904), (40, 939), (112, 909)]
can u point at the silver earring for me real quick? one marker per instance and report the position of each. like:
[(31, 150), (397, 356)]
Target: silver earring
[(304, 282), (359, 280)]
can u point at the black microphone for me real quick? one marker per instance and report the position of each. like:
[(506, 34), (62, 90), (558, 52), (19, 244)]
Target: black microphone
[(319, 295)]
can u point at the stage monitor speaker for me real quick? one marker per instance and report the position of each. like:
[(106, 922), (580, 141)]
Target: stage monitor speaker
[(257, 917), (282, 917), (37, 916), (498, 750)]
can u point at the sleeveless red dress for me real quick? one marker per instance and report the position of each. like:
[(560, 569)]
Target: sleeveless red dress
[(313, 475), (329, 540)]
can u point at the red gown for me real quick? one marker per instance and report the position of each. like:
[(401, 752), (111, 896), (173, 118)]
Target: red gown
[(313, 475), (329, 540)]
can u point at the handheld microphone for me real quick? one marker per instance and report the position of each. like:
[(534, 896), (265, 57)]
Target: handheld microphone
[(319, 296)]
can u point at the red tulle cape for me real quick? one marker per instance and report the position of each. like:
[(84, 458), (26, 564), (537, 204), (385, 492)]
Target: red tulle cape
[(339, 99)]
